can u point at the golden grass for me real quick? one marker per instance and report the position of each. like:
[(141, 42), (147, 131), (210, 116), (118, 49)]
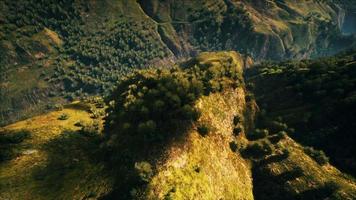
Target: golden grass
[(55, 162)]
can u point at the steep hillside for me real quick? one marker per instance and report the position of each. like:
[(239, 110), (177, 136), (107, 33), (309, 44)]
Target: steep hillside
[(75, 48), (316, 97), (167, 141), (51, 51), (211, 150), (183, 132)]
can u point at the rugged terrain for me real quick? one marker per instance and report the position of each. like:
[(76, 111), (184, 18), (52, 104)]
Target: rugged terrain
[(55, 51), (212, 143)]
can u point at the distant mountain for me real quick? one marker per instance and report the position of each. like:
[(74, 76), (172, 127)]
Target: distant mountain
[(52, 51)]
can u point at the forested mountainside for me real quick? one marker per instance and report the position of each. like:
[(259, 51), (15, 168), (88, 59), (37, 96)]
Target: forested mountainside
[(316, 98), (191, 131), (55, 51)]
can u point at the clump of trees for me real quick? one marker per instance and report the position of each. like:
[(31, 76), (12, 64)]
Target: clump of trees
[(257, 149), (152, 103), (257, 134)]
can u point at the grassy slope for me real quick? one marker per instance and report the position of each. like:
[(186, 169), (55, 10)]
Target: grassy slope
[(56, 162), (298, 176), (221, 173)]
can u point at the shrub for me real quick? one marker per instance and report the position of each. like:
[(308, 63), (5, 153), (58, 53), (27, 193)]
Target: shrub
[(233, 146), (147, 127), (276, 126), (249, 97), (14, 138), (318, 155), (257, 149), (144, 171), (90, 129), (63, 116), (203, 130), (258, 134), (276, 138), (237, 119), (79, 123), (237, 130), (189, 112), (58, 107)]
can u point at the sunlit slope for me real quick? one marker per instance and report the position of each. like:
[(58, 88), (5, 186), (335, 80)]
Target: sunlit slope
[(53, 160), (205, 167)]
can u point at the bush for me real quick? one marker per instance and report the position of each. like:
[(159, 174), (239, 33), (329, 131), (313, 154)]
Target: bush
[(237, 119), (63, 116), (147, 127), (144, 171), (79, 123), (318, 155), (276, 126), (58, 107), (237, 130), (258, 134), (90, 129), (257, 149), (203, 130), (14, 138), (276, 138), (233, 146)]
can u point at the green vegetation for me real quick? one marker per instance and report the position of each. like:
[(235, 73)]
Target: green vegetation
[(63, 116), (47, 158), (257, 134), (152, 146), (63, 54), (315, 97), (203, 130), (149, 103), (57, 51), (150, 108), (8, 141), (223, 25), (257, 149), (318, 156)]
